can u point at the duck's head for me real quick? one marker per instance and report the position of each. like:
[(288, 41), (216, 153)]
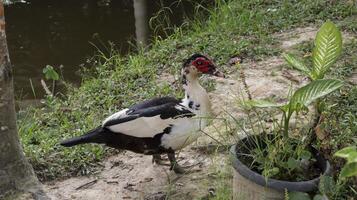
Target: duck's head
[(199, 64)]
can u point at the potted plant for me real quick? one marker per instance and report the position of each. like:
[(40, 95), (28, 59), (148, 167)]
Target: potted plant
[(281, 162)]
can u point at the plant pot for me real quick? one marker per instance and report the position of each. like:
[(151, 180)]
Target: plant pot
[(248, 184)]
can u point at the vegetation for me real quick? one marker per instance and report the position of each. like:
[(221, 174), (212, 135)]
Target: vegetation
[(338, 128), (328, 47), (283, 156), (350, 169), (286, 155), (113, 82), (50, 74), (337, 125)]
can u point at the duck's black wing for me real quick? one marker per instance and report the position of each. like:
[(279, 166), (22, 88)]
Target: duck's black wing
[(154, 102), (148, 118)]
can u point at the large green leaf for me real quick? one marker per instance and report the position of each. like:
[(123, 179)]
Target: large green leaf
[(295, 63), (312, 91), (349, 153), (349, 170), (345, 152), (328, 46), (352, 157)]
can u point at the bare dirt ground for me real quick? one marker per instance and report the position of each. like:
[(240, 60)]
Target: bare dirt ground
[(132, 176)]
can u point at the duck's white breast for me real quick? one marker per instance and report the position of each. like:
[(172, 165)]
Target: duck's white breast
[(183, 133)]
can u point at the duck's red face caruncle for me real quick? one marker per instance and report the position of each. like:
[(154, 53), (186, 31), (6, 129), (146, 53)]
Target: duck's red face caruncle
[(204, 65)]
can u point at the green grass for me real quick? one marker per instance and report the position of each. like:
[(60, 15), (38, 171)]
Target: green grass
[(113, 82)]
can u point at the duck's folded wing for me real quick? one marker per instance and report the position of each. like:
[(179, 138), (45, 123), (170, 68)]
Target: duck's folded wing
[(122, 116), (149, 121), (154, 102)]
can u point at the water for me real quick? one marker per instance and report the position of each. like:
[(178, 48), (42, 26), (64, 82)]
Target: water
[(59, 33)]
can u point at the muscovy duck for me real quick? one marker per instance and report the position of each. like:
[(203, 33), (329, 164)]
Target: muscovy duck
[(161, 125)]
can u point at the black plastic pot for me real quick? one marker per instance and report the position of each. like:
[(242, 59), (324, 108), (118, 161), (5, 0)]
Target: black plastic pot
[(277, 186)]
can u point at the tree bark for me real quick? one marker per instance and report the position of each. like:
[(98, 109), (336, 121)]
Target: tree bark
[(141, 22), (16, 174)]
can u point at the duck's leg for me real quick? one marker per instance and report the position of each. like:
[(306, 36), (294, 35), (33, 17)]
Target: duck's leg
[(156, 158), (174, 165)]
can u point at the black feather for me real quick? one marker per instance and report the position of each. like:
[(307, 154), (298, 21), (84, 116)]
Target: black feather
[(190, 104), (154, 102), (121, 141), (96, 135), (164, 107), (184, 80)]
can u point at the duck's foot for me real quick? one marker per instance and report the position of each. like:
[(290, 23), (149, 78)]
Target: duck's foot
[(174, 165), (156, 159), (178, 169)]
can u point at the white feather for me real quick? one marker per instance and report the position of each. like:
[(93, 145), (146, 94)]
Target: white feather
[(117, 115), (184, 132), (142, 126), (187, 130)]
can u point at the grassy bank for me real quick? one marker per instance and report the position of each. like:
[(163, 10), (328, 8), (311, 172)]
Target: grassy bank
[(231, 28)]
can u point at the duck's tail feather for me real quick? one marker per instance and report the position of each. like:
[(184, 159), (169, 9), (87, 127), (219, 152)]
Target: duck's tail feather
[(96, 135)]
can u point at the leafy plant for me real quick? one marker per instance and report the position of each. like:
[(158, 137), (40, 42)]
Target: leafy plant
[(328, 47), (301, 98), (50, 74), (350, 168), (286, 157)]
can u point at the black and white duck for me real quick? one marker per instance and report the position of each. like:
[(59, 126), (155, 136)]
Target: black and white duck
[(161, 125)]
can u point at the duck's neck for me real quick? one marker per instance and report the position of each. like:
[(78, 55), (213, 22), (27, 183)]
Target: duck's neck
[(196, 97)]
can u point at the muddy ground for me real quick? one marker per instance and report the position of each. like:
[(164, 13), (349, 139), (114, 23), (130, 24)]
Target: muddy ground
[(131, 176)]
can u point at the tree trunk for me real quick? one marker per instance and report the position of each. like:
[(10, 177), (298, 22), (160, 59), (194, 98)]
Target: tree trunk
[(141, 22), (16, 174)]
